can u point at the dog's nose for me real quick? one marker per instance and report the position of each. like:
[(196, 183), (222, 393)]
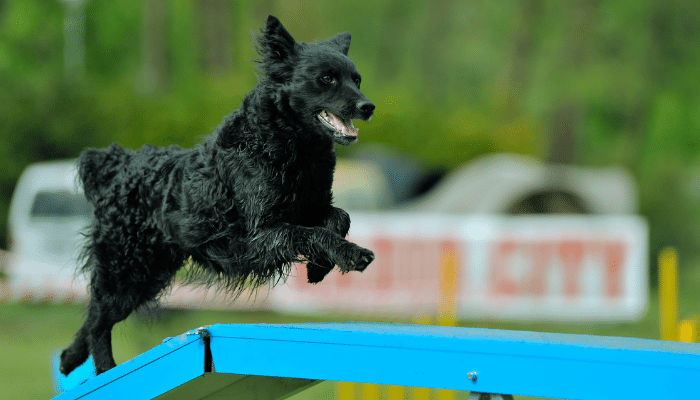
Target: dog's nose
[(367, 107)]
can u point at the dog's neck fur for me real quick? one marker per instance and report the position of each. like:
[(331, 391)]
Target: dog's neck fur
[(286, 145), (252, 125)]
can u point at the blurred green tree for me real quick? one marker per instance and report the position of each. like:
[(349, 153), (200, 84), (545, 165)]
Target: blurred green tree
[(583, 82)]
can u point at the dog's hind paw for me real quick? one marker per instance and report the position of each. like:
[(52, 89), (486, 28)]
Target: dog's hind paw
[(70, 361)]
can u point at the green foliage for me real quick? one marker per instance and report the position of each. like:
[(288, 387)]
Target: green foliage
[(451, 80)]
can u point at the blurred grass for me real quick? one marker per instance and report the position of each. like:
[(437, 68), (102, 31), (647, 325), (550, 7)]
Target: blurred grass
[(29, 333)]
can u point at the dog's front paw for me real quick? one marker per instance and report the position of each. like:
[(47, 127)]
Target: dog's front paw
[(354, 258), (365, 258), (316, 272)]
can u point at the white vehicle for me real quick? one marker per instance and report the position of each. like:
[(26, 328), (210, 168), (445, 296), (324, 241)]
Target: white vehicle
[(47, 213)]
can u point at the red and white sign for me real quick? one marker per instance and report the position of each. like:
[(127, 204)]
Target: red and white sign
[(474, 266), (515, 268)]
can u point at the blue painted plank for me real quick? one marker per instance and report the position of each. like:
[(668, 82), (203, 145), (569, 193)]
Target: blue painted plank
[(522, 363), (171, 364)]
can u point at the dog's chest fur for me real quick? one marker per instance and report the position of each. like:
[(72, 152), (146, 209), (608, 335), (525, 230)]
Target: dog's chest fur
[(301, 174), (275, 173)]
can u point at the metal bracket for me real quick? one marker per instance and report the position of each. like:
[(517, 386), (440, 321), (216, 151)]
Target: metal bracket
[(203, 332), (489, 396)]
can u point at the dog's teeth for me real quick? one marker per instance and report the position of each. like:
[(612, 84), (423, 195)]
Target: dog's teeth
[(324, 115)]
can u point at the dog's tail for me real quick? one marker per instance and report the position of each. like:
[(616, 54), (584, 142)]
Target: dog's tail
[(97, 168)]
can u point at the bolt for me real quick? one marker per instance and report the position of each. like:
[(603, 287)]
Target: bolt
[(472, 376), (202, 331)]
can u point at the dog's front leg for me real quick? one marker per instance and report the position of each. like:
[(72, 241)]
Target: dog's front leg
[(281, 244), (317, 269), (337, 221)]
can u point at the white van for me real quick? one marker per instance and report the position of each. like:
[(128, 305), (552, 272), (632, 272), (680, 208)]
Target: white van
[(47, 213)]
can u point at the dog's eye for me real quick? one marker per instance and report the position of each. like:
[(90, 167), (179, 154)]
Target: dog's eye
[(327, 79), (357, 83)]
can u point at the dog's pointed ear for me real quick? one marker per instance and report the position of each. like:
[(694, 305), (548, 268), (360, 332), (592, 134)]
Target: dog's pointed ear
[(277, 49), (341, 42), (275, 43)]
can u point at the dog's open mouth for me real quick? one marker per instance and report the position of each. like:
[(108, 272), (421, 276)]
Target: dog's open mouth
[(335, 123)]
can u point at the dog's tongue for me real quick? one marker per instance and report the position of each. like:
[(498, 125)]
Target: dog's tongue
[(349, 130)]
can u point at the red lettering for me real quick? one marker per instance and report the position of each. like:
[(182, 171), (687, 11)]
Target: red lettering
[(571, 253), (541, 255), (383, 263), (508, 278), (501, 282), (615, 253)]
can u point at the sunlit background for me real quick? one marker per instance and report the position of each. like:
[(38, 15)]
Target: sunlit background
[(607, 92)]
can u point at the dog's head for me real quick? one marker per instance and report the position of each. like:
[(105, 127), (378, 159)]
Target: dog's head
[(317, 81)]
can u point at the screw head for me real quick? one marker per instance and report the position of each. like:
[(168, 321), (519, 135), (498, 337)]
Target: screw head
[(472, 376)]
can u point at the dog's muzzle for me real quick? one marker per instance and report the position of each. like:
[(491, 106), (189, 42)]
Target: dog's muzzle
[(366, 109)]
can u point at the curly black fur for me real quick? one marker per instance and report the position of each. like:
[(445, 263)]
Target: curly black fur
[(243, 205)]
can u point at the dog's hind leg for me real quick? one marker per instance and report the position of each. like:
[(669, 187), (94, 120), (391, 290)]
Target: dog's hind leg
[(75, 354), (114, 296), (107, 314), (79, 351), (114, 303), (95, 334)]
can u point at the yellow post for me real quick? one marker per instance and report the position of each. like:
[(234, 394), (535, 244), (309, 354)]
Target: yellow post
[(345, 391), (668, 293), (447, 286), (688, 330), (447, 309), (446, 394), (423, 319), (395, 392), (370, 391), (421, 393)]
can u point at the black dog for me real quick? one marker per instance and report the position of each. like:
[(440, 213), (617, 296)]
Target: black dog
[(252, 199)]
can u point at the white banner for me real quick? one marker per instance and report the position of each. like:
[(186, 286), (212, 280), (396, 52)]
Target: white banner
[(513, 268), (478, 266)]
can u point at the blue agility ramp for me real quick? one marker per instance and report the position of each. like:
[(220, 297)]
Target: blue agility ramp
[(276, 361)]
